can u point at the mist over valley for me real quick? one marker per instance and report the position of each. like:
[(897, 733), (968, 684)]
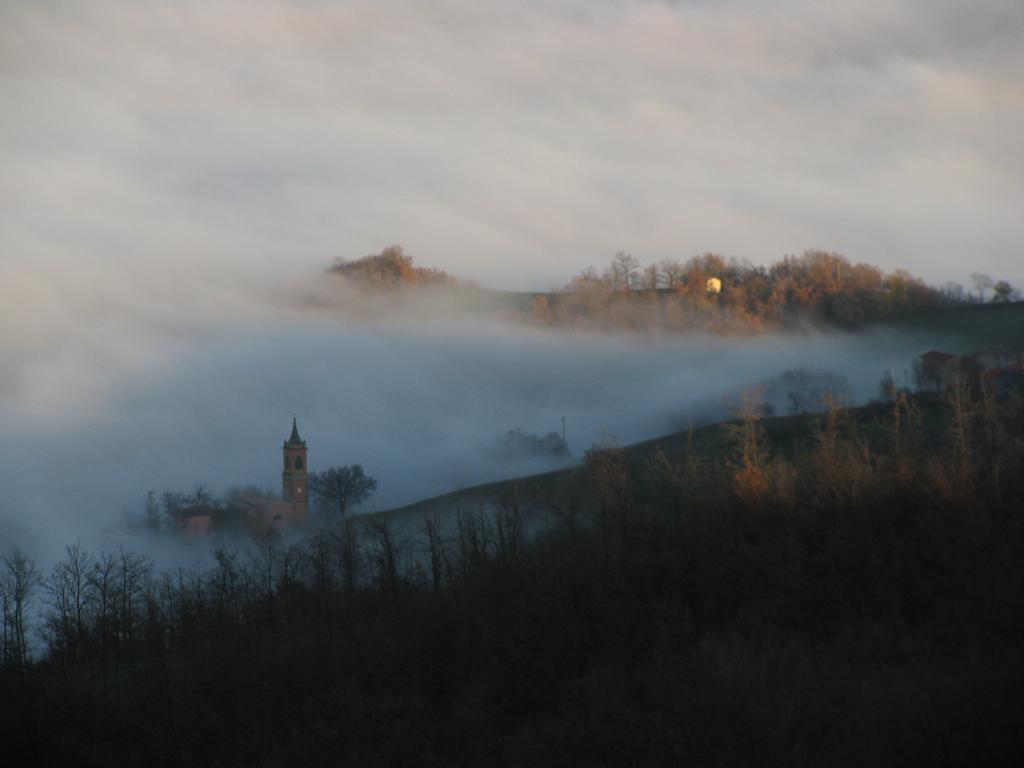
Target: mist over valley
[(417, 389)]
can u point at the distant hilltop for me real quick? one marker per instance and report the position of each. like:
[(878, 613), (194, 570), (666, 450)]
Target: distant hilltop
[(708, 293)]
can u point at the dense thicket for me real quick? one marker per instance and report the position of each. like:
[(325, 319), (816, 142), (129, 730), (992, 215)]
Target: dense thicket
[(817, 286), (844, 589), (389, 269)]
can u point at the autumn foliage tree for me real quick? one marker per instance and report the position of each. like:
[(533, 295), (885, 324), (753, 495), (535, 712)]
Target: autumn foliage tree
[(673, 294), (391, 268)]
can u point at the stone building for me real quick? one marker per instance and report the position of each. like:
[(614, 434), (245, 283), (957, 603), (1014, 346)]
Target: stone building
[(295, 477), (194, 520), (257, 512)]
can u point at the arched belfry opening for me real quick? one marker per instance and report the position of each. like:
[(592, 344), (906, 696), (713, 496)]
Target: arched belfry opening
[(294, 478)]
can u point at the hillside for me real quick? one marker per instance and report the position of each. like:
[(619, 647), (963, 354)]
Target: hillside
[(712, 444), (711, 294), (838, 589), (708, 293), (962, 329), (970, 326)]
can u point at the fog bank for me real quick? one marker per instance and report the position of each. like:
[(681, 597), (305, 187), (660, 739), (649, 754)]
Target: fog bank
[(417, 395)]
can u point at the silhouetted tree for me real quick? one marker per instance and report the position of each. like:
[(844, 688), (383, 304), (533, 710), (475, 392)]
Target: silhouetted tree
[(566, 502), (606, 466), (340, 488), (384, 554), (1002, 292), (18, 581), (434, 548), (982, 283), (68, 594)]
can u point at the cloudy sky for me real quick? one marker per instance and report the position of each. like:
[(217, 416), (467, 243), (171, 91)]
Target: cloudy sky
[(198, 141)]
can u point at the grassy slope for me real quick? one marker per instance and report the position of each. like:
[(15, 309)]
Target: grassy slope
[(972, 327), (711, 442)]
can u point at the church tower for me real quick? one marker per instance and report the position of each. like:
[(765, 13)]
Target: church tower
[(295, 479)]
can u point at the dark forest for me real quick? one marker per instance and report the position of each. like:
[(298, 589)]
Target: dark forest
[(842, 588)]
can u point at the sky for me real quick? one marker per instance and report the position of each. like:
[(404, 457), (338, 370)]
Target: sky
[(170, 149)]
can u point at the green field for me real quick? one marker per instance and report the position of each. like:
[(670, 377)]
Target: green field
[(971, 327), (712, 444)]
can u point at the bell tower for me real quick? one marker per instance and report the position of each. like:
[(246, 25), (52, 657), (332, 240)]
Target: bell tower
[(295, 478)]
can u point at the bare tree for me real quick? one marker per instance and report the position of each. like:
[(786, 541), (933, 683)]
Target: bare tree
[(473, 537), (624, 269), (435, 549), (103, 583), (678, 479), (888, 386), (953, 293), (340, 488), (225, 585), (320, 564), (982, 283), (1002, 292), (132, 569), (18, 581), (961, 404), (508, 522), (265, 561), (384, 554), (993, 434), (567, 502), (651, 278), (606, 465), (673, 272), (68, 594), (346, 538)]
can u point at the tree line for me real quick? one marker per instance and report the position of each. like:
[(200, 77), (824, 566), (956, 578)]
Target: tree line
[(391, 269), (817, 286)]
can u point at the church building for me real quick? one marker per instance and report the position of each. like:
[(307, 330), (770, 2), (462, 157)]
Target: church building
[(259, 512), (295, 478)]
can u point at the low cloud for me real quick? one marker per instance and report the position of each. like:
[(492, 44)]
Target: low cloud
[(415, 393), (512, 146)]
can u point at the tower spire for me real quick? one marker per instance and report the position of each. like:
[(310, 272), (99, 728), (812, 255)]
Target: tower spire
[(295, 439), (295, 477)]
